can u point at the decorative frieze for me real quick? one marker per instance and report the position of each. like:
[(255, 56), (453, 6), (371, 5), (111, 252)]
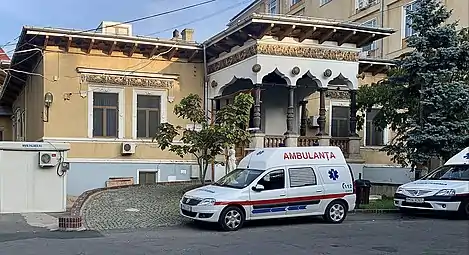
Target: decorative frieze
[(306, 52), (233, 59), (336, 94), (144, 82), (286, 51)]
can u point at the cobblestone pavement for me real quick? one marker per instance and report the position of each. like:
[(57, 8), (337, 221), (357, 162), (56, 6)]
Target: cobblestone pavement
[(144, 206)]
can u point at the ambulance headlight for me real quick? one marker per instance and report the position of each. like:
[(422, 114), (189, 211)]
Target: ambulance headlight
[(446, 192), (207, 202)]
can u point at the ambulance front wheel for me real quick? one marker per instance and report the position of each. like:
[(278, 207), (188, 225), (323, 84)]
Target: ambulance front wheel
[(336, 212), (464, 209), (231, 218)]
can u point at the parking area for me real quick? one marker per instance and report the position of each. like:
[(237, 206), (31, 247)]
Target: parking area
[(145, 206)]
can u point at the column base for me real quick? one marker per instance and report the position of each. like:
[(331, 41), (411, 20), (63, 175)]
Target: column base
[(354, 148), (257, 140), (291, 140), (324, 140)]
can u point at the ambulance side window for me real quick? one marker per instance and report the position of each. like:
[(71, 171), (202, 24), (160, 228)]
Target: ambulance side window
[(273, 180), (303, 176)]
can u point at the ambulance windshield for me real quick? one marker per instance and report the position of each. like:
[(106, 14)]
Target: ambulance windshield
[(449, 172), (239, 178)]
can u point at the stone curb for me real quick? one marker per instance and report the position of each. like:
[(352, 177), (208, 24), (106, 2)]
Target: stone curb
[(377, 211)]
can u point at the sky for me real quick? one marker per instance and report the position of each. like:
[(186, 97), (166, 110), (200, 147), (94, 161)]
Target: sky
[(206, 20)]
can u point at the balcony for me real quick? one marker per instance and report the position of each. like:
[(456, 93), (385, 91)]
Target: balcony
[(273, 141)]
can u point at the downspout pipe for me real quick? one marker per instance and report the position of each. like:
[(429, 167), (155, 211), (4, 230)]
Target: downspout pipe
[(382, 26), (206, 100)]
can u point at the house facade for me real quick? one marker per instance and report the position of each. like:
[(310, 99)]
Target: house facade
[(106, 91), (5, 110)]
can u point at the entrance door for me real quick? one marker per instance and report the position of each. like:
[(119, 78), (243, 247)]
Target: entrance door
[(270, 202), (305, 192)]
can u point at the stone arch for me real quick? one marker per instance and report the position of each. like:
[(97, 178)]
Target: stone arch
[(234, 85), (341, 81), (276, 77), (306, 85)]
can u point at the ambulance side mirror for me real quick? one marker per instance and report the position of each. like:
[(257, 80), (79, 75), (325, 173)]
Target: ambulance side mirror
[(258, 187)]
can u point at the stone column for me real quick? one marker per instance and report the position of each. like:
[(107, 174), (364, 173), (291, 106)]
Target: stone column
[(322, 112), (257, 107), (290, 110), (353, 114), (304, 118), (354, 140)]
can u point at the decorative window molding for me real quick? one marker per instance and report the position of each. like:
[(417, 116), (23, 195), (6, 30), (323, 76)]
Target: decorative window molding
[(163, 94), (121, 107)]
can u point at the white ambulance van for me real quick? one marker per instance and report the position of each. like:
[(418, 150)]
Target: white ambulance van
[(444, 189), (276, 183)]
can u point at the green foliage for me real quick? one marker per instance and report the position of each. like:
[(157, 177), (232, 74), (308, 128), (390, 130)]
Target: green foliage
[(425, 99), (212, 139)]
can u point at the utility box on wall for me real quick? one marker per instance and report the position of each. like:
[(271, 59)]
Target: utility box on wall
[(33, 177)]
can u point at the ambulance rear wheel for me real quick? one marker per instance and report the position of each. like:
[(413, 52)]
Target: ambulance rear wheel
[(336, 212), (231, 218)]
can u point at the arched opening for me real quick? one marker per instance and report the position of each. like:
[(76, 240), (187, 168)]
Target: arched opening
[(274, 98), (308, 85)]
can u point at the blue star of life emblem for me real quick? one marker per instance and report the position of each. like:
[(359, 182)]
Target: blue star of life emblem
[(466, 156), (333, 174)]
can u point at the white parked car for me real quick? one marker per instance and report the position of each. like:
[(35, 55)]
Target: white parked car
[(276, 183), (444, 189)]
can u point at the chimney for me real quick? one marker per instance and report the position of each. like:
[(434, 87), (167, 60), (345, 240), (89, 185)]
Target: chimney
[(188, 34), (175, 34)]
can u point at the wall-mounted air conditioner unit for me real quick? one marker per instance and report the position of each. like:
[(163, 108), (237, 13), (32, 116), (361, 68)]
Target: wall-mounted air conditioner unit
[(313, 122), (128, 148), (48, 158)]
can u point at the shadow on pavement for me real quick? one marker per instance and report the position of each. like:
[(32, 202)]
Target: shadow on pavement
[(48, 235)]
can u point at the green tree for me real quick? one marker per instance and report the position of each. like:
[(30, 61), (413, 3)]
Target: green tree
[(425, 98), (211, 139)]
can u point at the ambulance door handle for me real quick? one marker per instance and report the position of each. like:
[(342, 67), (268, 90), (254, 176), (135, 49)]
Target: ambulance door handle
[(318, 191), (282, 195)]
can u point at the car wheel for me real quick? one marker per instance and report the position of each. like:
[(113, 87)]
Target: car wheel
[(464, 209), (231, 218), (336, 212)]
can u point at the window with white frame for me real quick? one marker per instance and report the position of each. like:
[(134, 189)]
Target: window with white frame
[(106, 111), (340, 121), (374, 136), (373, 45), (105, 114), (323, 2), (272, 6), (148, 115), (408, 31), (149, 111)]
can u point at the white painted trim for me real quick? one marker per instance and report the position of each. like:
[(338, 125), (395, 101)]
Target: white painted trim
[(121, 108), (126, 161), (126, 73), (98, 140), (163, 106), (157, 171)]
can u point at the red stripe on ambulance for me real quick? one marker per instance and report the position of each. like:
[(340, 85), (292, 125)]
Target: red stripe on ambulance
[(283, 200)]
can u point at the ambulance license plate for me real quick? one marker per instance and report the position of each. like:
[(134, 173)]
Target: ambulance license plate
[(414, 200), (186, 207)]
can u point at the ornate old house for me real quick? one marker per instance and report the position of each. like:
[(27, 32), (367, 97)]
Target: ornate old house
[(105, 92)]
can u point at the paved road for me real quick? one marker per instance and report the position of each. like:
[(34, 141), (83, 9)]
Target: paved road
[(360, 234)]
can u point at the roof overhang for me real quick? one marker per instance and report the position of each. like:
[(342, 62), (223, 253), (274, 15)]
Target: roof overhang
[(375, 66), (256, 26), (64, 39)]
